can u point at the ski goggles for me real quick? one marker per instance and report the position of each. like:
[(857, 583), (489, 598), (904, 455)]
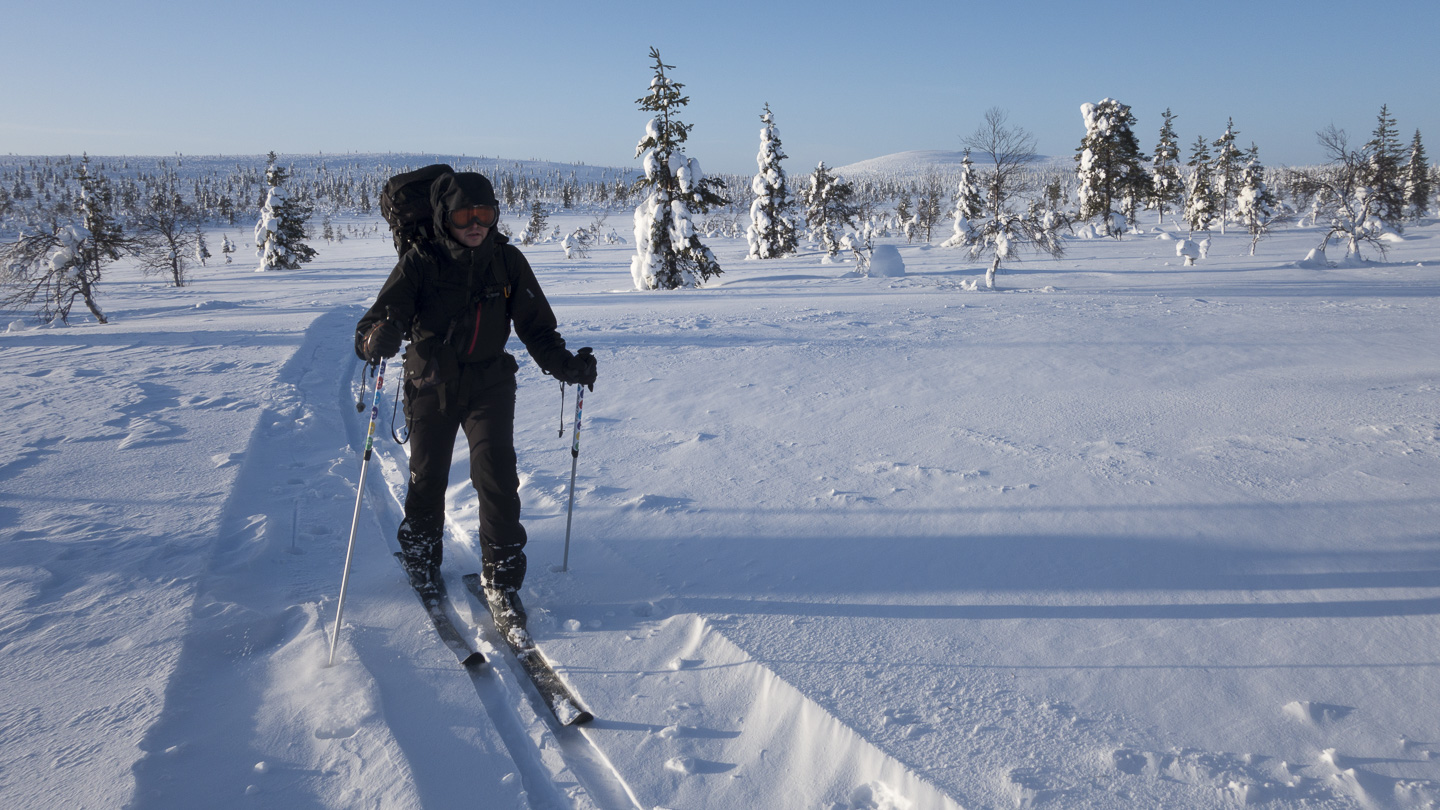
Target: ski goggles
[(484, 215)]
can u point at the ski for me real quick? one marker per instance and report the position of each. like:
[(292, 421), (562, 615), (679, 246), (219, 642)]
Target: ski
[(434, 602), (547, 682)]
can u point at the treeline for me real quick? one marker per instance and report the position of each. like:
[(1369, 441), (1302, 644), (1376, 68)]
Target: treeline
[(43, 192)]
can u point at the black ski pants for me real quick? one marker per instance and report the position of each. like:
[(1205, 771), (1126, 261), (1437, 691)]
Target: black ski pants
[(488, 420)]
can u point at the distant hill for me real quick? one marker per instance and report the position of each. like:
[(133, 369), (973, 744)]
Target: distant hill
[(918, 162)]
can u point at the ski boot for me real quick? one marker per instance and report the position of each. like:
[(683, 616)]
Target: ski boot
[(419, 554), (509, 615)]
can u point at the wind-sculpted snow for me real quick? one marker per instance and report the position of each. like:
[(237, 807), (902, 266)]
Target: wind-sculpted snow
[(1122, 533)]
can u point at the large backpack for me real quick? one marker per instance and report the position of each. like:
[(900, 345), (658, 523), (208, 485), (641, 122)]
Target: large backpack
[(405, 204)]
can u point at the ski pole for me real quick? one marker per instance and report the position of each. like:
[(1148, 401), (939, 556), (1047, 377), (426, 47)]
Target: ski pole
[(355, 521), (574, 461)]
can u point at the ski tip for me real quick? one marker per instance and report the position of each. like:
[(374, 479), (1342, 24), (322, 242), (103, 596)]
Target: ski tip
[(474, 660), (581, 718)]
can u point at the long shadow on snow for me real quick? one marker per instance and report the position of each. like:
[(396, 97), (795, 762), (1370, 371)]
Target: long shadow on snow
[(201, 750), (782, 575)]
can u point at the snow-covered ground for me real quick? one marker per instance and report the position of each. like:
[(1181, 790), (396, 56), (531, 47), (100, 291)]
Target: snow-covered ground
[(1120, 534)]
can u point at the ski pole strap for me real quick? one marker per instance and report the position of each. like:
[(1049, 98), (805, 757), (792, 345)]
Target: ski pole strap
[(369, 370), (394, 413)]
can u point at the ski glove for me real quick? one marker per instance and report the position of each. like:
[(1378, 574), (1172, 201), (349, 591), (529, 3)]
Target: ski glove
[(578, 369), (383, 341)]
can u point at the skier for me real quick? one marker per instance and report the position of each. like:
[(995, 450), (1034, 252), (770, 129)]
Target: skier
[(455, 297)]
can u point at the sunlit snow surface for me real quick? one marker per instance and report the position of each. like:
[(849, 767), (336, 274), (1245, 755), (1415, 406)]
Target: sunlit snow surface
[(1121, 533)]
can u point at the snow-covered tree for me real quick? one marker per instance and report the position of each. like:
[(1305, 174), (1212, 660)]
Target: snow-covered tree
[(227, 248), (771, 233), (669, 254), (1417, 181), (1001, 231), (1384, 170), (280, 233), (1112, 179), (166, 229), (1200, 203), (968, 206), (56, 266), (1225, 169), (1345, 198), (904, 217), (1255, 206), (1167, 189), (829, 208), (929, 203), (202, 248), (535, 228), (578, 243)]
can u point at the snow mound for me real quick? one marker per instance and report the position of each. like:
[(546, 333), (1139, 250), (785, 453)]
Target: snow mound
[(876, 796), (1316, 714), (886, 262), (1314, 260)]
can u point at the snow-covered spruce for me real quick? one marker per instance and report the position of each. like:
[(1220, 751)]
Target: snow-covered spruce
[(668, 251), (771, 233), (280, 233), (1417, 181), (1384, 172), (1167, 189), (1255, 205), (829, 208), (1225, 169), (1112, 181), (968, 206), (1200, 199)]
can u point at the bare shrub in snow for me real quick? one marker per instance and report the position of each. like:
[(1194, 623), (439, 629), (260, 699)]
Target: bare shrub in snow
[(1001, 231), (1343, 197), (53, 268), (167, 232)]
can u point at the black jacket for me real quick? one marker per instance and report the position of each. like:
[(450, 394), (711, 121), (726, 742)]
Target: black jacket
[(456, 305)]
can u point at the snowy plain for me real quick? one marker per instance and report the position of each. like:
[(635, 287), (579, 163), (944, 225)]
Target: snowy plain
[(1118, 534)]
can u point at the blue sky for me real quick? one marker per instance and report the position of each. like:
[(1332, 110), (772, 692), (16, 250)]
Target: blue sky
[(559, 80)]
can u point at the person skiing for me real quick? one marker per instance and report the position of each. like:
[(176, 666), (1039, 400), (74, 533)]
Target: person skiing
[(456, 297)]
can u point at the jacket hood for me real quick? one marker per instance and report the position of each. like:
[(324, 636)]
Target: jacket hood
[(460, 190)]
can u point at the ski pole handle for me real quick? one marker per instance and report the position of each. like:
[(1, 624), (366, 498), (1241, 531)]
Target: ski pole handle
[(574, 462), (375, 410), (579, 409)]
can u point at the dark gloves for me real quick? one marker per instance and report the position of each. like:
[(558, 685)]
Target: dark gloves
[(578, 369), (382, 341)]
